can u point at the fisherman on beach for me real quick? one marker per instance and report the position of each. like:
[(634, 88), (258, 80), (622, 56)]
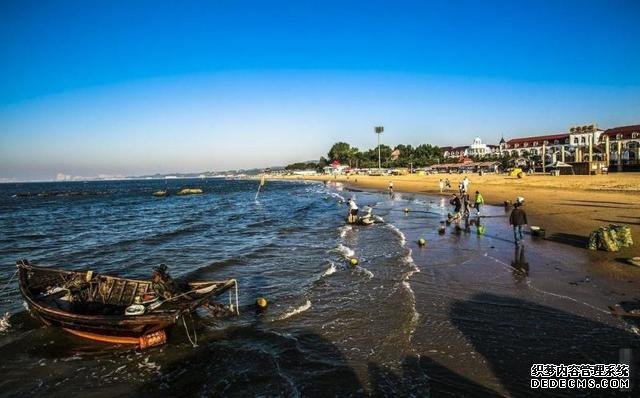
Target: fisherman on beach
[(353, 210), (441, 185), (455, 202), (517, 219), (479, 201), (465, 202)]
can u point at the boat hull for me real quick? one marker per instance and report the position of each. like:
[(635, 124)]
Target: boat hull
[(100, 316)]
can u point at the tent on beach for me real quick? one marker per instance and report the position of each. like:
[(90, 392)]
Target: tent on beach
[(563, 167)]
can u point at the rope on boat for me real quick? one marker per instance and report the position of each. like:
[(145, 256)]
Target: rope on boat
[(194, 341), (237, 311), (9, 282)]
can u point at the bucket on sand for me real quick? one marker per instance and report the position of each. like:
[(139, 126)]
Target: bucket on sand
[(537, 231)]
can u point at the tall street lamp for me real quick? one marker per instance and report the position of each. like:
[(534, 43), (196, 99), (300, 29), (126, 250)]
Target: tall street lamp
[(379, 130)]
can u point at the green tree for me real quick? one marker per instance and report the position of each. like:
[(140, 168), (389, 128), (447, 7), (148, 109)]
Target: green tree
[(340, 151)]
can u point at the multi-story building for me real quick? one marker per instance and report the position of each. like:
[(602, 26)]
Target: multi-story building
[(476, 149), (616, 146), (623, 146)]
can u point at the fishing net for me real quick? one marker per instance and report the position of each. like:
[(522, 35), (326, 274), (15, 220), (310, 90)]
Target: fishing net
[(610, 238)]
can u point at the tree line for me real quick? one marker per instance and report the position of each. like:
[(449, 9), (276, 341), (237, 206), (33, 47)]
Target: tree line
[(419, 156)]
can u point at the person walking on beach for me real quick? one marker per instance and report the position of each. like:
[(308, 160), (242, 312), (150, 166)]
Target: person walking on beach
[(465, 202), (441, 185), (479, 201), (465, 184), (517, 219), (447, 184)]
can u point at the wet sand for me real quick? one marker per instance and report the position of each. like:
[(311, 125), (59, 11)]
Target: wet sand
[(568, 207)]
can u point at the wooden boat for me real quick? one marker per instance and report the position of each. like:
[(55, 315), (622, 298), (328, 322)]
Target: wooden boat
[(97, 306)]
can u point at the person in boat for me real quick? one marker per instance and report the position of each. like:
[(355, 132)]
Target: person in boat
[(162, 283)]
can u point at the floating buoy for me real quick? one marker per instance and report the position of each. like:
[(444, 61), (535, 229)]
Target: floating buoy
[(353, 262), (422, 242), (261, 303), (406, 209)]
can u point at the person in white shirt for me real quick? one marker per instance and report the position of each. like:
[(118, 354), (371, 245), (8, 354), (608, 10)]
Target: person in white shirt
[(465, 184), (353, 210)]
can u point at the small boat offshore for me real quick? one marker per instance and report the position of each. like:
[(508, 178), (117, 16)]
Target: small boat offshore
[(112, 309)]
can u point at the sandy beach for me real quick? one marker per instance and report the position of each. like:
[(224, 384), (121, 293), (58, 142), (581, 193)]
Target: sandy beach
[(569, 207)]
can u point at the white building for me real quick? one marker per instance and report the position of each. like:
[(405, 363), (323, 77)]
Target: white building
[(477, 149)]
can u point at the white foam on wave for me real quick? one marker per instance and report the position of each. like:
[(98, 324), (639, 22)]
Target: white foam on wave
[(413, 323), (365, 271), (408, 259), (295, 311), (331, 270), (403, 238), (344, 229), (346, 251), (337, 196), (4, 322)]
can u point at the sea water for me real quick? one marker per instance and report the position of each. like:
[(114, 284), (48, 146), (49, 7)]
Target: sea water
[(465, 314)]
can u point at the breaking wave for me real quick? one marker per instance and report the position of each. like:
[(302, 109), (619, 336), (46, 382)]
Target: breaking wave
[(346, 251), (331, 270), (296, 311), (364, 271), (344, 229), (403, 238)]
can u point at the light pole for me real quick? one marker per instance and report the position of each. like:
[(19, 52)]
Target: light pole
[(379, 130)]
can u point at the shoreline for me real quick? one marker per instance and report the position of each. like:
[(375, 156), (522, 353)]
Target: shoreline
[(569, 207)]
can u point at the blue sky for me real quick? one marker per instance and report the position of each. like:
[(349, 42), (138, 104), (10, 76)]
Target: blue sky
[(91, 88)]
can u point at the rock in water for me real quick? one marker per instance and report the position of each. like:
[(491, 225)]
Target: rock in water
[(189, 191)]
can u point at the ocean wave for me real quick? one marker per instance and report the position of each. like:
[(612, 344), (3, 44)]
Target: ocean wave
[(403, 238), (338, 196), (344, 229), (329, 271), (364, 271), (295, 311), (346, 251), (180, 231), (415, 316), (408, 259)]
